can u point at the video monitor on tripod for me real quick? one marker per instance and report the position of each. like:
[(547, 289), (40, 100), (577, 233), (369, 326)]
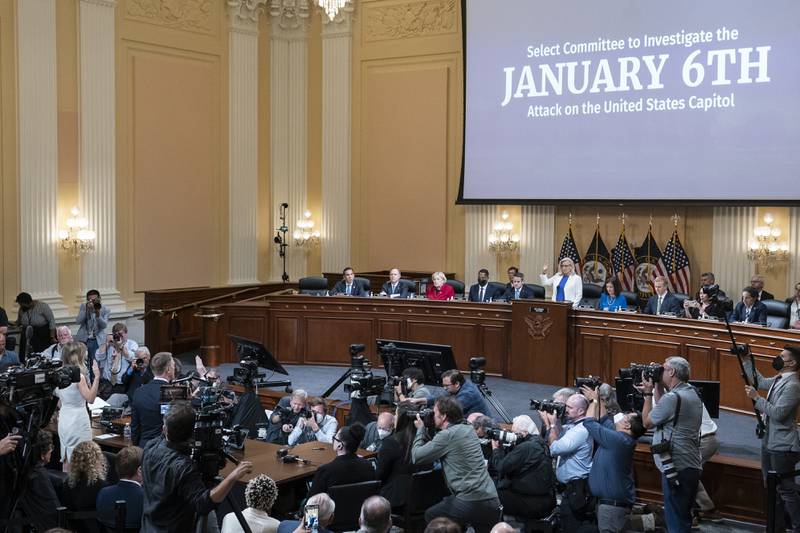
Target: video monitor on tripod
[(432, 359)]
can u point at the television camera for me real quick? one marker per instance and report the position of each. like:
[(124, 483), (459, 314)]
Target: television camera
[(363, 383)]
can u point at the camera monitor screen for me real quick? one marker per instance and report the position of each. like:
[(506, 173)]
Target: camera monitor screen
[(249, 349), (432, 359)]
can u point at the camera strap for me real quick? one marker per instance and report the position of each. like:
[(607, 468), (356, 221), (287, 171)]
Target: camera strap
[(677, 414)]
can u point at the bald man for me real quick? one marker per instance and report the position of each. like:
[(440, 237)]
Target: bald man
[(377, 431), (393, 288)]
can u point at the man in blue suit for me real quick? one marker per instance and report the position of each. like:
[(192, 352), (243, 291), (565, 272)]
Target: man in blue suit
[(750, 310), (662, 302), (146, 419), (482, 291), (393, 288), (347, 286), (129, 469), (518, 290), (7, 357)]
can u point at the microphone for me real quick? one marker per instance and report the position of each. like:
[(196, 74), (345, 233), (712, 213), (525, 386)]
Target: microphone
[(284, 205)]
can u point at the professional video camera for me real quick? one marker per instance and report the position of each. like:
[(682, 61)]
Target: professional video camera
[(549, 406), (476, 372), (592, 382), (363, 383), (214, 396), (246, 374), (638, 372), (108, 416), (209, 441), (37, 381), (507, 438)]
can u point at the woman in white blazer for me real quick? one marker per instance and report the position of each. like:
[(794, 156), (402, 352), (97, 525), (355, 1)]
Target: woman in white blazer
[(572, 287)]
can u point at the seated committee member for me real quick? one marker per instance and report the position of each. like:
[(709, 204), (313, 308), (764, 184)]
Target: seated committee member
[(347, 286), (663, 301), (794, 308), (750, 310), (439, 289), (512, 271), (482, 291), (393, 288), (567, 285), (518, 290), (702, 308), (611, 299), (757, 282), (707, 279)]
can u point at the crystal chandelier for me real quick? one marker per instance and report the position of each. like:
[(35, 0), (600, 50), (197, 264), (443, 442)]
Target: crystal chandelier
[(765, 249), (503, 240), (77, 239), (305, 235), (332, 7)]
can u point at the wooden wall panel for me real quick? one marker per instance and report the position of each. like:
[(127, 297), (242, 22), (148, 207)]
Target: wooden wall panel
[(495, 346), (287, 341), (626, 351), (590, 346), (327, 341), (250, 327), (462, 337), (701, 359), (390, 329)]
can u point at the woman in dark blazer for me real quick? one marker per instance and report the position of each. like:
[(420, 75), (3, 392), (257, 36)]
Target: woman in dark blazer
[(347, 467), (394, 458)]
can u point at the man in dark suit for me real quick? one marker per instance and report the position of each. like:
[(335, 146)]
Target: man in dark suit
[(757, 282), (146, 419), (482, 291), (128, 463), (347, 286), (750, 310), (663, 301), (518, 290), (393, 288), (512, 271), (780, 447)]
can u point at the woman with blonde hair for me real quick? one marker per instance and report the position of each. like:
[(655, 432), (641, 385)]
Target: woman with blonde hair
[(439, 289), (74, 425), (87, 475), (567, 284)]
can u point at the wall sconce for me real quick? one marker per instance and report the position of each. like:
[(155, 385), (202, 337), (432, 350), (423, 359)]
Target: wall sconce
[(765, 249), (77, 239), (503, 240), (305, 236)]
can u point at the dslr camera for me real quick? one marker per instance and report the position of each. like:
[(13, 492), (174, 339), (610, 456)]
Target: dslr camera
[(506, 438), (549, 406), (425, 414), (639, 372), (97, 304), (592, 382)]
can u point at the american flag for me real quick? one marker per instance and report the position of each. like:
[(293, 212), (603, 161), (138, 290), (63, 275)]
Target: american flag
[(624, 263), (651, 265), (569, 249), (677, 263)]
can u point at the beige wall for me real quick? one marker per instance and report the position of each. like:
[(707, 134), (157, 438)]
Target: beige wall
[(9, 191)]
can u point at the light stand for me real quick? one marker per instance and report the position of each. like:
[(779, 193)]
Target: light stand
[(280, 239)]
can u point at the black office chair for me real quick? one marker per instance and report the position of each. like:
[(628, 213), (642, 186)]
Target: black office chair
[(592, 290), (632, 298), (316, 285), (538, 290), (681, 297), (777, 313), (499, 289), (348, 499), (111, 475), (365, 285), (409, 285), (591, 303), (458, 286), (427, 488)]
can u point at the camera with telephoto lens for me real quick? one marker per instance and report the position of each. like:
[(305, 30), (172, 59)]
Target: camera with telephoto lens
[(362, 381), (639, 372), (426, 415), (664, 452), (476, 373), (549, 406), (97, 304), (502, 436), (591, 382), (394, 381)]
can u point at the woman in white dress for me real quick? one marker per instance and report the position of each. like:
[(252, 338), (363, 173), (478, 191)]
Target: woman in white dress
[(74, 424)]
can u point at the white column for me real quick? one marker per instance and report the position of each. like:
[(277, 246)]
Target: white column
[(732, 229), (793, 273), (97, 137), (243, 141), (479, 223), (38, 151), (288, 130), (537, 240), (336, 145)]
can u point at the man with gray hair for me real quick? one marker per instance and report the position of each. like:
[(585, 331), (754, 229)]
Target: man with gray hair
[(677, 415), (63, 336), (376, 515), (563, 394), (325, 509)]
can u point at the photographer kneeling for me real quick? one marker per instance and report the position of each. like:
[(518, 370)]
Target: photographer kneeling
[(526, 481), (285, 416), (174, 492)]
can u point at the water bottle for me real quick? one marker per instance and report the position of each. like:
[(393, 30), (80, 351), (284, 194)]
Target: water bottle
[(126, 433)]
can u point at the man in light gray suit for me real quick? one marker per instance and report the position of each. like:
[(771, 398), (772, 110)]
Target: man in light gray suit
[(780, 447)]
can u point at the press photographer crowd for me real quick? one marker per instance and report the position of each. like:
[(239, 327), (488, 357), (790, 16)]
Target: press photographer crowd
[(420, 449)]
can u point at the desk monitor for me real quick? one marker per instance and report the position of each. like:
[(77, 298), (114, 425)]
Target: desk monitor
[(709, 392), (432, 359)]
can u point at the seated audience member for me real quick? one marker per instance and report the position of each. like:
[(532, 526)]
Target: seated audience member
[(325, 510), (7, 357), (318, 427), (40, 500), (611, 299), (376, 515), (512, 271), (750, 310), (572, 445), (567, 284), (347, 286), (393, 288), (416, 391), (504, 527), (465, 392), (347, 467), (707, 279), (260, 495), (442, 525), (663, 301), (526, 482), (482, 291), (474, 500), (378, 431), (794, 308), (757, 282), (128, 463), (63, 336), (518, 290), (87, 476), (438, 289), (146, 419), (611, 475), (394, 458), (284, 417), (139, 373)]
